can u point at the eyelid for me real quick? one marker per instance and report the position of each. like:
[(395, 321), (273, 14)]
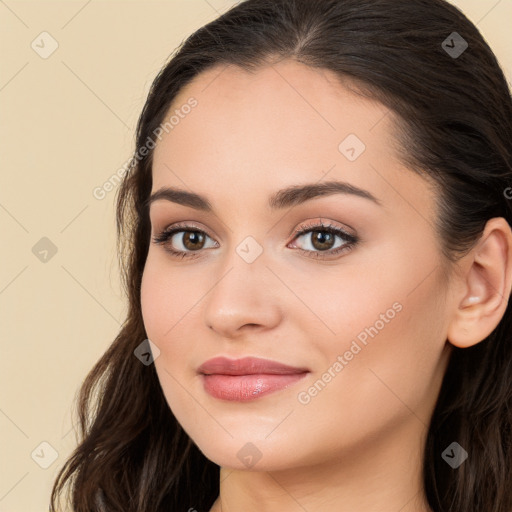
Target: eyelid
[(304, 226), (185, 226), (320, 224), (351, 239)]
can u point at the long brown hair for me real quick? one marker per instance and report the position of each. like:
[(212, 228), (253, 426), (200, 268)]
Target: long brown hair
[(454, 118)]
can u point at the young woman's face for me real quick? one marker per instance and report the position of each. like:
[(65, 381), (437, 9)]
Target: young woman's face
[(366, 325)]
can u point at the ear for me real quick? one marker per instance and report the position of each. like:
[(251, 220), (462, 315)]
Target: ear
[(485, 286)]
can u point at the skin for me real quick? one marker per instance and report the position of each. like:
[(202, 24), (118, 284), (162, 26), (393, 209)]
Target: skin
[(357, 444)]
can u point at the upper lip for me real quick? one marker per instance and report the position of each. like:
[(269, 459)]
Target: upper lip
[(246, 366)]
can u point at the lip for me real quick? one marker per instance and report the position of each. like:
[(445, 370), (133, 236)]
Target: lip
[(247, 366), (248, 378)]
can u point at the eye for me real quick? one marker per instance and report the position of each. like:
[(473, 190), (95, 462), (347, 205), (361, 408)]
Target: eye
[(322, 237), (192, 240)]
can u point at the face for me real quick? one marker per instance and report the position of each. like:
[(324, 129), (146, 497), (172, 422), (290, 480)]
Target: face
[(340, 285)]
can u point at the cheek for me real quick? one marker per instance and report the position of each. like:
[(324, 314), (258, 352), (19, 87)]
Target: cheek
[(390, 335), (166, 298), (154, 296), (164, 306), (391, 303), (171, 309)]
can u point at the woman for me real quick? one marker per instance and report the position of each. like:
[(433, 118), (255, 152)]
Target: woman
[(318, 261)]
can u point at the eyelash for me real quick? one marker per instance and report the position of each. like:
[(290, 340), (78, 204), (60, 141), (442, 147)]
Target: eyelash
[(351, 240)]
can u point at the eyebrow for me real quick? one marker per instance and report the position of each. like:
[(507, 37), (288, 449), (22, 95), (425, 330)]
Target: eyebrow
[(287, 197)]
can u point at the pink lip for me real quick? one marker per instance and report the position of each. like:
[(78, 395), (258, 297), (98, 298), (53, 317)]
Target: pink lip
[(247, 378)]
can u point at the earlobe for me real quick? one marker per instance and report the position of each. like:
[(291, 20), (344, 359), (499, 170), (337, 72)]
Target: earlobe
[(485, 288)]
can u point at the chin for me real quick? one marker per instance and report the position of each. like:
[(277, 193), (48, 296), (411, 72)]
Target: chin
[(251, 454)]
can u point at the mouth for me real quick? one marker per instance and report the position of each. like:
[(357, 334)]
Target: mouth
[(243, 388), (247, 379)]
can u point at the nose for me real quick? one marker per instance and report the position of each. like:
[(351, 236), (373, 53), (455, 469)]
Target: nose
[(245, 297)]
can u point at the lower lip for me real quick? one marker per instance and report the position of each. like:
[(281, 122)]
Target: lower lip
[(243, 388)]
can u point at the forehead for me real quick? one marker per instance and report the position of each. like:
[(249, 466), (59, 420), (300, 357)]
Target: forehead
[(287, 123), (284, 108)]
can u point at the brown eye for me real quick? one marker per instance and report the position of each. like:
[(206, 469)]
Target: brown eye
[(183, 241), (188, 241), (192, 240), (322, 240)]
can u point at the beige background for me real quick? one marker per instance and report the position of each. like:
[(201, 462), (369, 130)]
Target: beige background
[(67, 125)]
